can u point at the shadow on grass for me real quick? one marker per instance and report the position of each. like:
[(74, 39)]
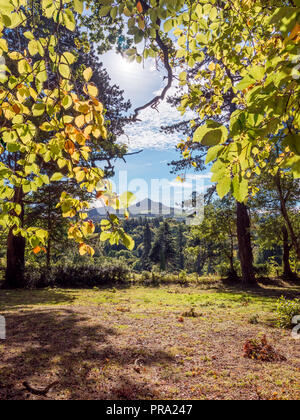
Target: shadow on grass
[(45, 346), (265, 287), (13, 299)]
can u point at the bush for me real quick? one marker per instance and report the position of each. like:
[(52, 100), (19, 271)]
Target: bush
[(224, 270), (39, 277), (183, 278), (286, 310), (79, 276), (262, 270)]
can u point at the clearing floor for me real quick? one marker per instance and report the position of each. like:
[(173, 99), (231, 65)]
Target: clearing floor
[(139, 343)]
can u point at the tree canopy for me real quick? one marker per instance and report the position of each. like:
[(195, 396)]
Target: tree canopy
[(48, 116), (254, 55)]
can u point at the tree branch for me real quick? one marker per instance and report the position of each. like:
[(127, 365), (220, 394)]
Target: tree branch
[(165, 50)]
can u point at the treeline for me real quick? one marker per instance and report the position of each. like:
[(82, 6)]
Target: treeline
[(171, 246), (211, 248)]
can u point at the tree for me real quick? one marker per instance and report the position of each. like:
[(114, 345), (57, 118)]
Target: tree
[(215, 240), (43, 119), (147, 244), (253, 49), (271, 234), (278, 198), (107, 150), (163, 250), (180, 247), (245, 247), (189, 160), (253, 46)]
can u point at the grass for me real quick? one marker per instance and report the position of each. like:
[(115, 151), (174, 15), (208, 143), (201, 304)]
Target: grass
[(140, 343)]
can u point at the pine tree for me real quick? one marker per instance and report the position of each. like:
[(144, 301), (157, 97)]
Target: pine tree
[(180, 247), (163, 251), (147, 242)]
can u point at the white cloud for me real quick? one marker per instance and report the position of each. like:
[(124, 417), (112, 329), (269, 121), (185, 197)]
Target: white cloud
[(181, 185), (199, 176), (146, 134)]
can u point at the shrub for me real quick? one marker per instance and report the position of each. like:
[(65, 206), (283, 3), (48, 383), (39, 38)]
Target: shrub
[(262, 270), (286, 310), (156, 278), (183, 278), (39, 277), (224, 270), (79, 276), (254, 320)]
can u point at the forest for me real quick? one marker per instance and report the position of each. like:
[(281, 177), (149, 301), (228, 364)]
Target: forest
[(156, 307)]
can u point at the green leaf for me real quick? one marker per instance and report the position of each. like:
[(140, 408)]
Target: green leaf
[(104, 11), (293, 141), (224, 186), (245, 83), (105, 236), (257, 72), (240, 188), (213, 153), (38, 109), (78, 6), (211, 134), (128, 241), (64, 70), (168, 25)]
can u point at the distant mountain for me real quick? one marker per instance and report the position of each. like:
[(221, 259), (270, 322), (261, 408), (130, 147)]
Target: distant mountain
[(146, 207)]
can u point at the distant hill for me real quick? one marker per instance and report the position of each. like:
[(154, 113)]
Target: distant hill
[(144, 208)]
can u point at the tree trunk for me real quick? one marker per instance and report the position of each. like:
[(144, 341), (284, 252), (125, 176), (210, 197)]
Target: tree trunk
[(287, 271), (244, 241), (15, 260), (48, 256), (233, 273), (286, 217), (49, 244)]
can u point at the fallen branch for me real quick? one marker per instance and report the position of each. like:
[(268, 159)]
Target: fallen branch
[(41, 392)]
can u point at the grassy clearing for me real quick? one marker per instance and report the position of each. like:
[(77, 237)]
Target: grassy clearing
[(138, 343)]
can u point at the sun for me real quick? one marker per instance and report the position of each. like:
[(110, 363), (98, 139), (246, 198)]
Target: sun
[(128, 66)]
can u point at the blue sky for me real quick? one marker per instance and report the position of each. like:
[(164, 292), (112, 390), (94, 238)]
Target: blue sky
[(140, 84)]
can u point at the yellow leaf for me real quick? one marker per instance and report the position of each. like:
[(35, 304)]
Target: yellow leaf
[(82, 249), (80, 121), (87, 74), (92, 90), (212, 67), (86, 249)]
